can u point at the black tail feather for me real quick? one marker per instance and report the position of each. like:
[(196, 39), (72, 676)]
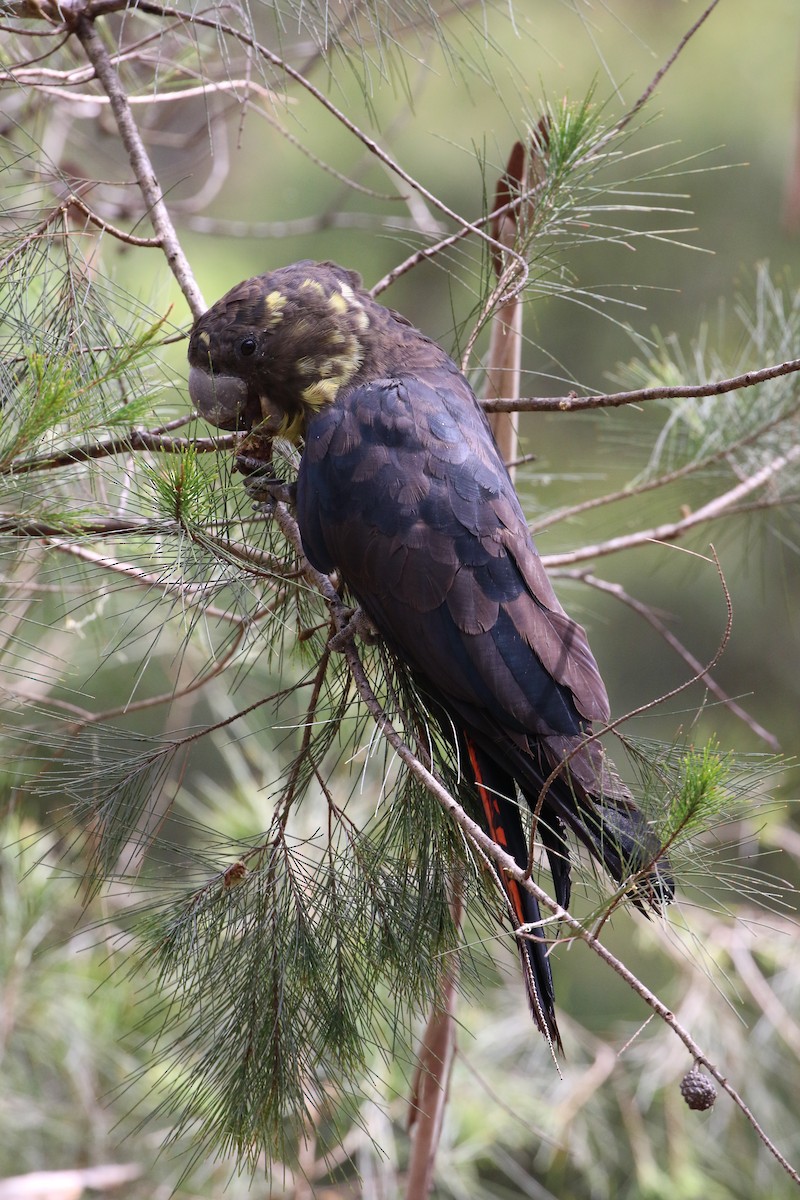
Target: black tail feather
[(496, 791), (621, 838)]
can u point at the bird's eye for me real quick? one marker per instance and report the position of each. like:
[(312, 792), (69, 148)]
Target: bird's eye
[(247, 346)]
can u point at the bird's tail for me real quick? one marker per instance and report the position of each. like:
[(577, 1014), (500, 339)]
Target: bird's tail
[(620, 837), (496, 792), (583, 792)]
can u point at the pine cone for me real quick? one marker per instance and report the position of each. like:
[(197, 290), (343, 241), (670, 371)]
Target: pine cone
[(698, 1090)]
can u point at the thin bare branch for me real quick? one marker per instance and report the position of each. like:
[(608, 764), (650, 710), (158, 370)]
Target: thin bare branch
[(190, 594), (647, 612), (131, 440), (209, 88), (661, 481), (15, 526), (723, 505), (297, 226), (140, 162), (122, 235), (576, 403), (659, 75), (62, 13)]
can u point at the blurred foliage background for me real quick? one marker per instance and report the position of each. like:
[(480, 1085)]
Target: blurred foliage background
[(78, 1035)]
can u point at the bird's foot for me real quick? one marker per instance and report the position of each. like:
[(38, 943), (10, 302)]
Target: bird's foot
[(262, 485), (357, 624)]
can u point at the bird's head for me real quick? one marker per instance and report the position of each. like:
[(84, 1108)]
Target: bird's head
[(278, 347)]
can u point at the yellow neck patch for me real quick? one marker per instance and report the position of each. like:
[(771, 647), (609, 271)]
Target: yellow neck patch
[(322, 334)]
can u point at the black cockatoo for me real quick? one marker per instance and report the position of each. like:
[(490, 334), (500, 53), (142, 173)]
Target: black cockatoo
[(401, 490)]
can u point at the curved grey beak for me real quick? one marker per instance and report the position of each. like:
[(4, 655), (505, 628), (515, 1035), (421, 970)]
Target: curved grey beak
[(221, 399)]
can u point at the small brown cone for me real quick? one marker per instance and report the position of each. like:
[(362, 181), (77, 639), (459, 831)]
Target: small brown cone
[(698, 1090)]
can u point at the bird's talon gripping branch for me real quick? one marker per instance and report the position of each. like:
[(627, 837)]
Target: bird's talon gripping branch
[(359, 625), (262, 485), (266, 493), (402, 492)]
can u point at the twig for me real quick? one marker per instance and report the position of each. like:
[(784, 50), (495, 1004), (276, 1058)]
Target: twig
[(661, 481), (208, 88), (659, 75), (189, 593), (132, 440), (721, 506), (98, 527), (122, 235), (575, 403), (140, 162), (783, 1022), (701, 673)]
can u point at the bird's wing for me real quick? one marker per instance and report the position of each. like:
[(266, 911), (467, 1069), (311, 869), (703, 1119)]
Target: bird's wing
[(402, 490)]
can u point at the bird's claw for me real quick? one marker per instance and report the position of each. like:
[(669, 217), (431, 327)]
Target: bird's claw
[(357, 624), (262, 485)]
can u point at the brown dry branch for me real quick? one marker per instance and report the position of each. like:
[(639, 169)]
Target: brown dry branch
[(207, 88), (143, 439), (15, 526), (139, 160), (122, 235), (724, 505), (575, 403), (132, 440)]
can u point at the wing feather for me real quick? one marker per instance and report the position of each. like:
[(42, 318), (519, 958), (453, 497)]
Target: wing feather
[(401, 487)]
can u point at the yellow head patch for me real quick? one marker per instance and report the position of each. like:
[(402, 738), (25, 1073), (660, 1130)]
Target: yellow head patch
[(274, 304)]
